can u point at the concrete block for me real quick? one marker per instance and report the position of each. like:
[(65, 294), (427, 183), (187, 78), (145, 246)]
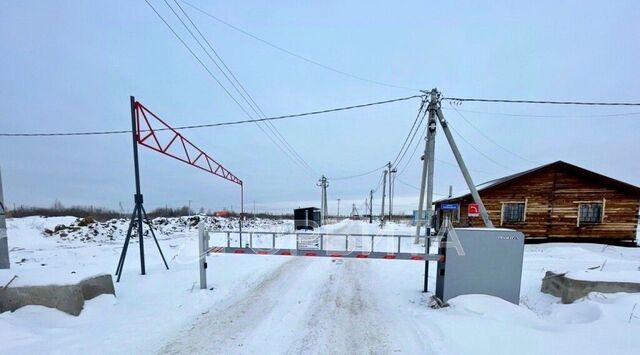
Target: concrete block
[(570, 290), (67, 298), (96, 286)]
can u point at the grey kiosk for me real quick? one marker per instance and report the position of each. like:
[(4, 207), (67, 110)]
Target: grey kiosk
[(489, 263)]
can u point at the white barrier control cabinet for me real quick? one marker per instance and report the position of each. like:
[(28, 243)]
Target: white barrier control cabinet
[(491, 264)]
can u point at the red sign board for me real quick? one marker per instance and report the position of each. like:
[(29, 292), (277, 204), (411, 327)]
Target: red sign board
[(473, 210)]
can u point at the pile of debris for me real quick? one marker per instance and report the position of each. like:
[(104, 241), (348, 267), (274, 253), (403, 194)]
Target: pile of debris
[(89, 230)]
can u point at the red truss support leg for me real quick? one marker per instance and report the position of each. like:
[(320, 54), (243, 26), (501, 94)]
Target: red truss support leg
[(151, 132)]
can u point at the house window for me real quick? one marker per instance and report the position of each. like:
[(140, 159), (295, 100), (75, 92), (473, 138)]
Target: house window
[(590, 213), (513, 212)]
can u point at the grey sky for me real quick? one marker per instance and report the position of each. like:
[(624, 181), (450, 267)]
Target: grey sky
[(71, 66)]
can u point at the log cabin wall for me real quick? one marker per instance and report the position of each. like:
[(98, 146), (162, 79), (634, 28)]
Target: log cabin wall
[(552, 197)]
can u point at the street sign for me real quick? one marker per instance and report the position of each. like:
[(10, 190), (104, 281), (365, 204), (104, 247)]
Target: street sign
[(473, 210), (449, 206)]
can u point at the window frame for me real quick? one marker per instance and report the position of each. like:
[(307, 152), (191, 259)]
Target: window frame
[(524, 212), (602, 202)]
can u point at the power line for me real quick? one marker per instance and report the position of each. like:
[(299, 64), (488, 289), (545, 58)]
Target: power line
[(415, 149), (480, 152), (492, 141), (456, 165), (418, 118), (415, 187), (587, 103), (622, 114), (359, 175), (379, 184), (296, 157), (203, 65), (292, 157), (286, 51), (208, 125)]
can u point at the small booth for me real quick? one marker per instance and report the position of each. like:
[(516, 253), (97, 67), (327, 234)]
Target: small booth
[(307, 218)]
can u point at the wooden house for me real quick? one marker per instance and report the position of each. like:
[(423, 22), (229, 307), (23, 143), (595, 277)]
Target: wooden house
[(557, 201)]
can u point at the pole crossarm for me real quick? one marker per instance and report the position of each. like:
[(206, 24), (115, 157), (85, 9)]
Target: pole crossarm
[(174, 144)]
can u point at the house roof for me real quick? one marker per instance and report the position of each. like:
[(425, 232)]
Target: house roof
[(620, 185)]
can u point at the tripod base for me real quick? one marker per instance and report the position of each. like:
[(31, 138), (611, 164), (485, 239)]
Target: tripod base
[(136, 222)]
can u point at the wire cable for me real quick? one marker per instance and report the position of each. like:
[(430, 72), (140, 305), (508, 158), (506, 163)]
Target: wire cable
[(480, 152), (359, 175), (219, 124), (250, 101), (286, 51), (417, 130), (205, 66), (418, 120), (415, 187), (622, 114), (492, 141), (456, 166), (415, 149), (586, 103)]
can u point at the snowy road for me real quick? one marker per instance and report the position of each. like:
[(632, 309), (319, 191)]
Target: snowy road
[(306, 305)]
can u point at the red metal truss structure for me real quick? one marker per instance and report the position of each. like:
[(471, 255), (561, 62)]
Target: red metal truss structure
[(154, 133)]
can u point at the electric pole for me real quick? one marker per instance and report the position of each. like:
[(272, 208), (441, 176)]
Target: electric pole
[(323, 183), (392, 171), (366, 206), (338, 208), (4, 245), (384, 186), (427, 168), (370, 206)]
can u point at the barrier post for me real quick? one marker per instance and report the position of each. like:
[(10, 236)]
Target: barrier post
[(203, 247)]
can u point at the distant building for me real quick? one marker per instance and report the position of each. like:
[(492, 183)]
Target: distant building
[(223, 214), (557, 201)]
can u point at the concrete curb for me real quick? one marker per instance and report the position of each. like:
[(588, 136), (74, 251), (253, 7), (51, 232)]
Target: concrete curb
[(67, 298), (570, 290)]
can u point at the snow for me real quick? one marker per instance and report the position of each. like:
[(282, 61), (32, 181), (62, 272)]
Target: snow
[(280, 304)]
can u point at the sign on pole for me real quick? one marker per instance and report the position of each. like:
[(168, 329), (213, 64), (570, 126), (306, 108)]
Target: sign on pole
[(473, 210)]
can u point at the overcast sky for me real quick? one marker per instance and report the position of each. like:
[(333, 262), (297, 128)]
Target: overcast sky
[(72, 65)]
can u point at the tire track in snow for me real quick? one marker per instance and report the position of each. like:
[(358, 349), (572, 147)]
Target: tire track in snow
[(306, 305), (226, 329), (344, 320)]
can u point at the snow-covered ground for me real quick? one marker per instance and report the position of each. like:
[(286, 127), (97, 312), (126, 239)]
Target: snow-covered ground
[(279, 304)]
